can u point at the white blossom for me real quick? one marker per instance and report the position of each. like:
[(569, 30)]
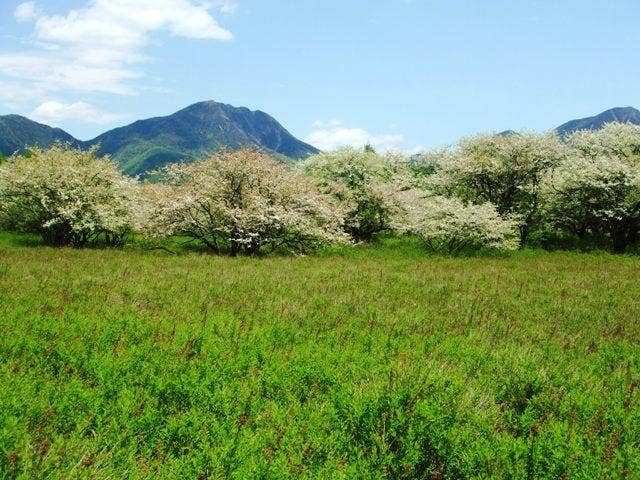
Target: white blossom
[(67, 195), (449, 225), (366, 183), (596, 190), (505, 170), (244, 201)]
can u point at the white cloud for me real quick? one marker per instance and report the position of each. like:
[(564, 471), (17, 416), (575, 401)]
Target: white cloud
[(334, 122), (53, 71), (26, 12), (97, 48), (126, 23), (227, 7), (329, 135), (53, 112), (15, 91)]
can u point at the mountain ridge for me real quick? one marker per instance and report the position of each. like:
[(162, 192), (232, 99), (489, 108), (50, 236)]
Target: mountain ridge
[(193, 131), (203, 127), (148, 144), (16, 132), (596, 122)]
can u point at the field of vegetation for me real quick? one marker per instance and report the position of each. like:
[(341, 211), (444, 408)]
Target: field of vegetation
[(374, 361), (355, 315)]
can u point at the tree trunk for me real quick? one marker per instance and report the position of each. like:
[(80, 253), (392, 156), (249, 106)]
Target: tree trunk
[(619, 239)]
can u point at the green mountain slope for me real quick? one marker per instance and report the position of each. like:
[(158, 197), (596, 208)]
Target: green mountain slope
[(17, 133), (200, 128), (148, 144)]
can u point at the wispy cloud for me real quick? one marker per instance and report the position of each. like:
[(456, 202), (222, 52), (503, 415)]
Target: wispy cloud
[(331, 134), (26, 12), (100, 48), (320, 124), (53, 112), (227, 7)]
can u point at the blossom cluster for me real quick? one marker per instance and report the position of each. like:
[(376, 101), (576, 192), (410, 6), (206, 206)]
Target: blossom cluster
[(365, 183), (449, 225), (488, 191), (243, 201), (596, 190), (67, 195)]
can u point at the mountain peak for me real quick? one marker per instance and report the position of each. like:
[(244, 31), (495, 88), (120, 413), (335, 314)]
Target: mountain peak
[(618, 114), (148, 144), (195, 131)]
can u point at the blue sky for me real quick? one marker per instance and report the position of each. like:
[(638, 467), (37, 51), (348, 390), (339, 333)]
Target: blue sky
[(401, 73)]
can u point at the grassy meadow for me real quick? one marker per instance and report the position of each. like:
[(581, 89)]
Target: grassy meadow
[(366, 363)]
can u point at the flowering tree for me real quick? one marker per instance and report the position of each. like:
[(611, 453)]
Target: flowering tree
[(596, 191), (427, 163), (505, 170), (449, 225), (244, 201), (617, 140), (66, 195), (366, 183)]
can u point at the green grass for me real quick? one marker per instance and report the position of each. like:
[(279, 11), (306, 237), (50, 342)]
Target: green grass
[(374, 362)]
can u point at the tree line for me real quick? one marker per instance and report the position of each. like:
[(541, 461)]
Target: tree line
[(490, 191)]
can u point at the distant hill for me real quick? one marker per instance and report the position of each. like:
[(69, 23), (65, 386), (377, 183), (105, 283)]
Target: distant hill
[(148, 144), (203, 127), (17, 133), (200, 128), (622, 115)]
